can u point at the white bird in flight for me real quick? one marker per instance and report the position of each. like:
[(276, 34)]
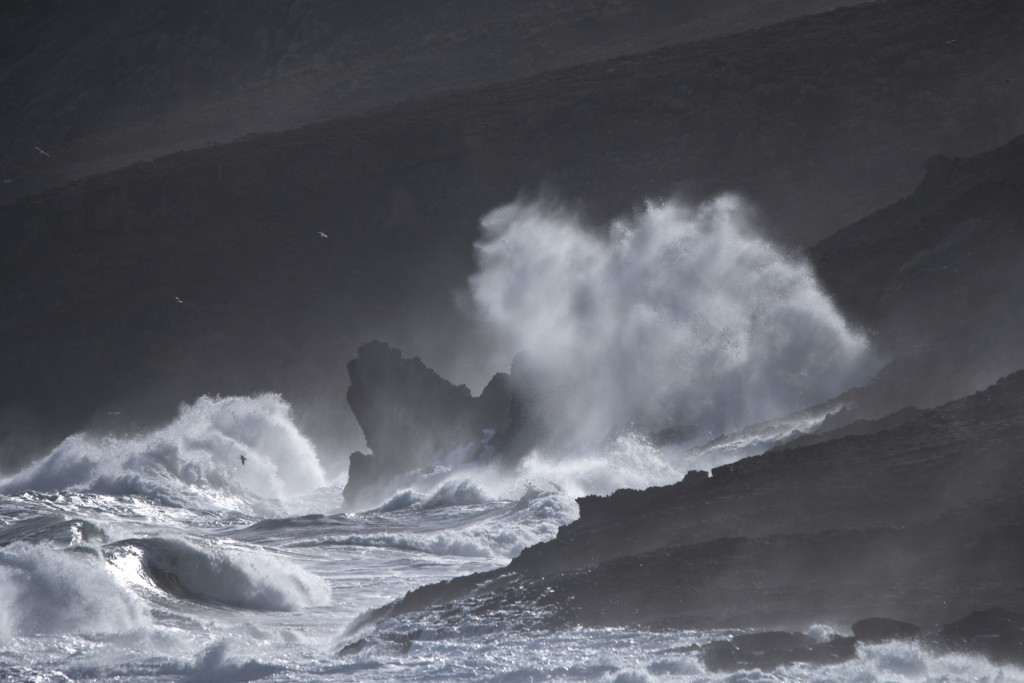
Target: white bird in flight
[(178, 300), (42, 151), (322, 235)]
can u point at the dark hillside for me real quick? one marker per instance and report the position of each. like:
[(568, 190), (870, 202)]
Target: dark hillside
[(100, 85), (818, 119), (937, 277)]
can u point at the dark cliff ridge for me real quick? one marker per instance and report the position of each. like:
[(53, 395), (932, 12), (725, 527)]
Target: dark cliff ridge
[(818, 119), (412, 419), (921, 522), (935, 277)]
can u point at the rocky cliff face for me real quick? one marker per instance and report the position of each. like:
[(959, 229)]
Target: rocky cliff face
[(412, 419), (921, 522)]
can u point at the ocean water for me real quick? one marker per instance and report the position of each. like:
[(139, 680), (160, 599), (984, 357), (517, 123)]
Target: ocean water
[(161, 557)]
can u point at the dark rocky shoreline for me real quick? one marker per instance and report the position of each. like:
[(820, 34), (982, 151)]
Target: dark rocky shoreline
[(995, 633), (921, 522)]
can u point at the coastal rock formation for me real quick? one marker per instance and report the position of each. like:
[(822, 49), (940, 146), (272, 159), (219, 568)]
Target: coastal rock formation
[(881, 629), (935, 277), (769, 650), (412, 418), (995, 633), (921, 522)]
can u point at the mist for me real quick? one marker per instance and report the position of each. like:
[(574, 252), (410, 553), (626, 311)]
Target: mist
[(679, 317)]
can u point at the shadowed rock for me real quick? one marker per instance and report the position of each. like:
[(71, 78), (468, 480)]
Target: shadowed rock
[(771, 649), (880, 629), (412, 418), (995, 632)]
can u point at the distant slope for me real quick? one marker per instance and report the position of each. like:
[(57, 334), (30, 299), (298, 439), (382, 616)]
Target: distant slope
[(100, 85), (937, 277), (819, 119)]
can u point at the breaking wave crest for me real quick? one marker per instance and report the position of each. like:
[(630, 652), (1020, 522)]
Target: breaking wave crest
[(211, 574), (45, 590), (195, 460)]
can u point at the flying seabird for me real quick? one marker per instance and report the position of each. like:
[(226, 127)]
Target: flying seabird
[(322, 235), (178, 300), (42, 151), (241, 457)]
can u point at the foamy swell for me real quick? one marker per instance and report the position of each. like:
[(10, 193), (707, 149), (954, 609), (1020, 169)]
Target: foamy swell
[(197, 459), (213, 574), (46, 591)]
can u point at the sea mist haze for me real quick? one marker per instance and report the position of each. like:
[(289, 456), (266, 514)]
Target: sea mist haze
[(534, 341), (678, 316)]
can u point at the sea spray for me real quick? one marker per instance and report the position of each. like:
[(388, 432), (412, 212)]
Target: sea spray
[(677, 317), (46, 590), (218, 452)]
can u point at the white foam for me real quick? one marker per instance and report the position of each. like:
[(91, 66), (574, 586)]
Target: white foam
[(215, 573), (682, 316), (195, 460), (44, 590), (500, 532), (629, 461), (219, 663)]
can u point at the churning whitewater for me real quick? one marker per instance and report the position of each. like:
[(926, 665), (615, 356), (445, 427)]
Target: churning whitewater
[(216, 548)]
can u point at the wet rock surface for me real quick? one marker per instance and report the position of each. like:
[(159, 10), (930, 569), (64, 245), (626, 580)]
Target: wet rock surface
[(994, 632)]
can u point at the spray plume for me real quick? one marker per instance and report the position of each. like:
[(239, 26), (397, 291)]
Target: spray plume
[(678, 317)]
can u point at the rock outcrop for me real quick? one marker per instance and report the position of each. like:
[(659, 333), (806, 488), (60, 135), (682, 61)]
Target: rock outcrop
[(935, 277), (995, 633), (921, 522), (881, 629), (412, 418)]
